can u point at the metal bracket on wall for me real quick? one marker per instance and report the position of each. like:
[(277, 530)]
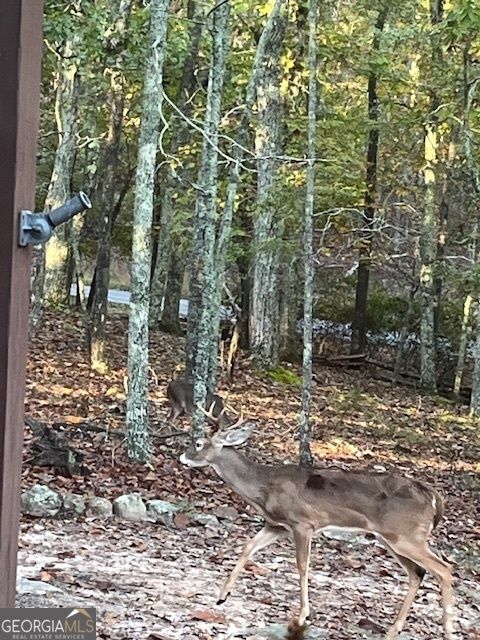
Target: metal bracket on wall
[(37, 228)]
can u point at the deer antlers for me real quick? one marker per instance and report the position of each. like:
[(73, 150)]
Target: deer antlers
[(216, 420)]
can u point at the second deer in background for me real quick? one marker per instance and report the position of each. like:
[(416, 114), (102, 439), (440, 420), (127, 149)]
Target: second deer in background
[(180, 395)]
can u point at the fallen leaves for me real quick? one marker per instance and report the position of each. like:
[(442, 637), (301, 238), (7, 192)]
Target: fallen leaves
[(207, 615)]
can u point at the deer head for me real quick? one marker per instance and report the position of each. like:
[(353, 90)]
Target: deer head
[(205, 451)]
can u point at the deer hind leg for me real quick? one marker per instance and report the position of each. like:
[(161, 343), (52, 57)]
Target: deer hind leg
[(303, 542), (415, 577), (175, 412), (262, 539), (424, 556)]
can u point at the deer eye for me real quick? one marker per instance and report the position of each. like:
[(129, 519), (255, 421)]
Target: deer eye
[(199, 445)]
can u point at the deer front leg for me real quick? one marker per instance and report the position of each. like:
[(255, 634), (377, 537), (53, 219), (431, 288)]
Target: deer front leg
[(302, 536), (262, 539)]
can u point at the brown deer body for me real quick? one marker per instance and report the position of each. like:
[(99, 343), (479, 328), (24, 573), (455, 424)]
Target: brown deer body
[(180, 395), (298, 501)]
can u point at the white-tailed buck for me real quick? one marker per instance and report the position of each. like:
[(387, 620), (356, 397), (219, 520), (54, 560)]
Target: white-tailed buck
[(180, 395), (298, 501)]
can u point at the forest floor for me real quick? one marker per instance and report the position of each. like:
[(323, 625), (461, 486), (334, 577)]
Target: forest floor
[(160, 581)]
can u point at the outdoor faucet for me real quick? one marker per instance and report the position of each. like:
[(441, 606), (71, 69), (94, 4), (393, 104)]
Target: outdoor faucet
[(37, 228)]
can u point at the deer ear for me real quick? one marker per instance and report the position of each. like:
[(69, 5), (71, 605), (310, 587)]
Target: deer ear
[(234, 437)]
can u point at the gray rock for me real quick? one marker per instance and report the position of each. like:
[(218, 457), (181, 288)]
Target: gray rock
[(207, 520), (100, 507), (74, 504), (226, 512), (40, 501), (130, 507), (161, 510), (34, 587)]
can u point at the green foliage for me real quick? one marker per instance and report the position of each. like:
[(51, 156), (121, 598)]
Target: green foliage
[(385, 312), (283, 376), (406, 78)]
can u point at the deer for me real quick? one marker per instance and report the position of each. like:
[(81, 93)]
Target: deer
[(298, 501), (180, 395)]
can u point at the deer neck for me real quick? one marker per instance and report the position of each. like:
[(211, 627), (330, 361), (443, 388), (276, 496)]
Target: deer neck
[(239, 472)]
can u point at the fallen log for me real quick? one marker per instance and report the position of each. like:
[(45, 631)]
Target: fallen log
[(342, 360), (49, 448)]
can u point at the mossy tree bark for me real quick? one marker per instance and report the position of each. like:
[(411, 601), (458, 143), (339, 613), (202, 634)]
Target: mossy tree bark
[(204, 305), (304, 425), (264, 302), (54, 282), (429, 226), (137, 426)]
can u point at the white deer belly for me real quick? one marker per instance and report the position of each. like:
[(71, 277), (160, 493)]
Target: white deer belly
[(341, 533)]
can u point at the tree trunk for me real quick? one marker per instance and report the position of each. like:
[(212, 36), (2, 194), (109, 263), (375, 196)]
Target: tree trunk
[(439, 258), (138, 439), (289, 300), (170, 321), (264, 311), (475, 398), (230, 199), (166, 236), (359, 323), (469, 88), (161, 268), (462, 347), (55, 288), (404, 332), (428, 228), (204, 307), (244, 269), (304, 424), (37, 280), (106, 196)]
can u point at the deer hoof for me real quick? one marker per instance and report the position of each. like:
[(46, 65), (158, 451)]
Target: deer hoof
[(221, 600), (302, 618)]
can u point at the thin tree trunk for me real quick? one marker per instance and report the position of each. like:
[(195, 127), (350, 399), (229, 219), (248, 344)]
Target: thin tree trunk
[(429, 231), (475, 398), (462, 347), (137, 426), (439, 258), (77, 260), (304, 424), (203, 270), (359, 323), (163, 258), (243, 264), (264, 311), (37, 280), (170, 321), (404, 333), (289, 299), (106, 196)]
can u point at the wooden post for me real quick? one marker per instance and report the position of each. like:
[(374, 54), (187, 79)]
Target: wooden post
[(20, 65)]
